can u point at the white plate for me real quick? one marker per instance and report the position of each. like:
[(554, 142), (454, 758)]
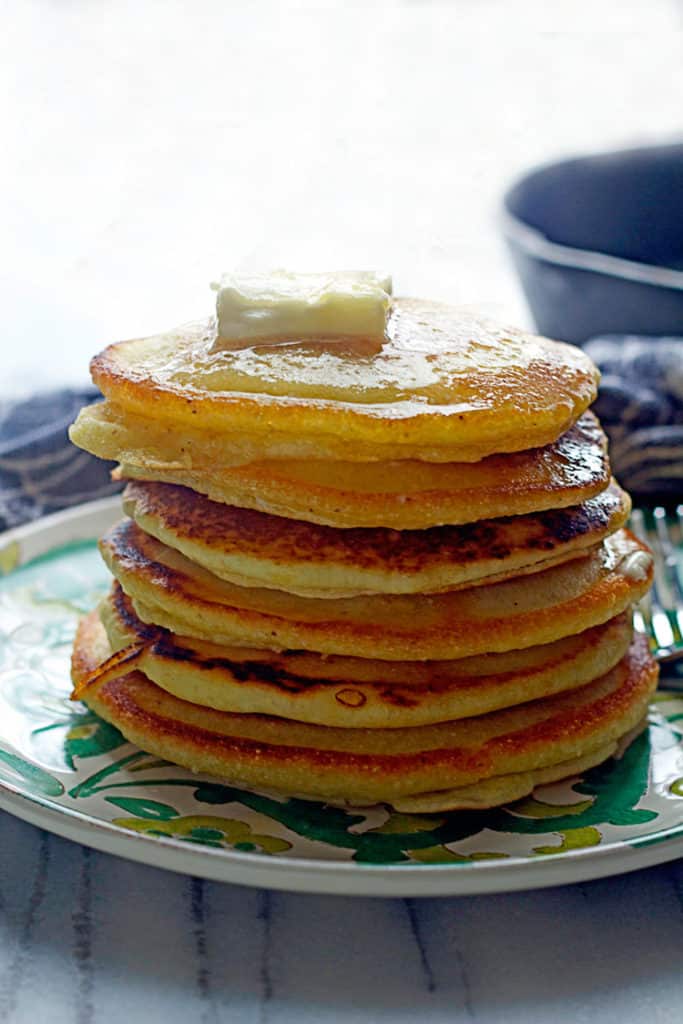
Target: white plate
[(63, 769)]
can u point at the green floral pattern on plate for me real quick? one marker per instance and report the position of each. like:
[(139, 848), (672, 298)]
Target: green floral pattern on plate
[(62, 755)]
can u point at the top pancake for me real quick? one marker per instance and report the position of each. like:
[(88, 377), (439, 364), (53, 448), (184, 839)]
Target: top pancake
[(446, 387)]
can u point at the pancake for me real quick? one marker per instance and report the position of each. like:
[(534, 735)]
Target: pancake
[(255, 549), (355, 692), (406, 495), (363, 766), (503, 789), (446, 386), (170, 591)]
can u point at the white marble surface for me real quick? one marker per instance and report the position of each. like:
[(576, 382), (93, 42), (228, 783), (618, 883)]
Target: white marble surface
[(88, 938), (148, 145)]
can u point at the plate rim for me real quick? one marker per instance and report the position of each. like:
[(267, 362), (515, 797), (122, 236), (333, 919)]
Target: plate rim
[(303, 874)]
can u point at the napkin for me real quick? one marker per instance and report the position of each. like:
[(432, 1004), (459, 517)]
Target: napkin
[(40, 470)]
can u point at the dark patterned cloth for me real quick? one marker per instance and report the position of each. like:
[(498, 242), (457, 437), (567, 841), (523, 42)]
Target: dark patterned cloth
[(640, 404), (40, 470)]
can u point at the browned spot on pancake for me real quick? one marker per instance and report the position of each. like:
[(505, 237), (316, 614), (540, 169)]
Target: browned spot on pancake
[(350, 698), (130, 621), (402, 698), (120, 540), (166, 646)]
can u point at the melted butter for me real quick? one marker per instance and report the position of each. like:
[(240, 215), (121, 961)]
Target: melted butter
[(280, 308), (434, 356)]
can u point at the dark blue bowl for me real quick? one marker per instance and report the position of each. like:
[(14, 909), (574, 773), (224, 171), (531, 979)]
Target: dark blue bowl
[(598, 243)]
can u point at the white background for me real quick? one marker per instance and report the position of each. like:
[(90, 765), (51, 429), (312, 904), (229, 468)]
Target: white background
[(147, 146)]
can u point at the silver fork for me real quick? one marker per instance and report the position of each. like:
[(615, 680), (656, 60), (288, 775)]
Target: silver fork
[(660, 613)]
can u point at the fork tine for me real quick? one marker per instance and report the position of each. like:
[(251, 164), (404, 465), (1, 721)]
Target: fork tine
[(670, 548), (669, 557), (639, 622), (679, 567), (657, 608), (644, 606)]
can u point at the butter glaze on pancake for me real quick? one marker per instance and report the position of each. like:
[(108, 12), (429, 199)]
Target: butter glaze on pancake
[(367, 765), (346, 692), (169, 590), (401, 495), (254, 549), (447, 386)]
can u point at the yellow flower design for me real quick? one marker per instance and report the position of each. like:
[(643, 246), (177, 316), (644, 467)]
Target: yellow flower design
[(10, 557)]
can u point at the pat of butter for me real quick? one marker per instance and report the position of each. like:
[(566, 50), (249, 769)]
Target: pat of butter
[(285, 307)]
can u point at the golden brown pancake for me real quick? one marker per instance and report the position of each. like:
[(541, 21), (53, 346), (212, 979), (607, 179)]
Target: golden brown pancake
[(503, 789), (356, 692), (255, 549), (446, 387), (406, 495), (364, 766), (170, 591)]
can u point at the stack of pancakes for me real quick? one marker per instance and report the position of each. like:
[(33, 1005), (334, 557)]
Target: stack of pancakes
[(401, 576)]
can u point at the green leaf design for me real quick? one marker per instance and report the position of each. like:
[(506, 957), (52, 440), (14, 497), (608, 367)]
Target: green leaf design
[(612, 790), (150, 809), (618, 786), (31, 777), (212, 835), (93, 783), (327, 824), (90, 737), (615, 787)]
